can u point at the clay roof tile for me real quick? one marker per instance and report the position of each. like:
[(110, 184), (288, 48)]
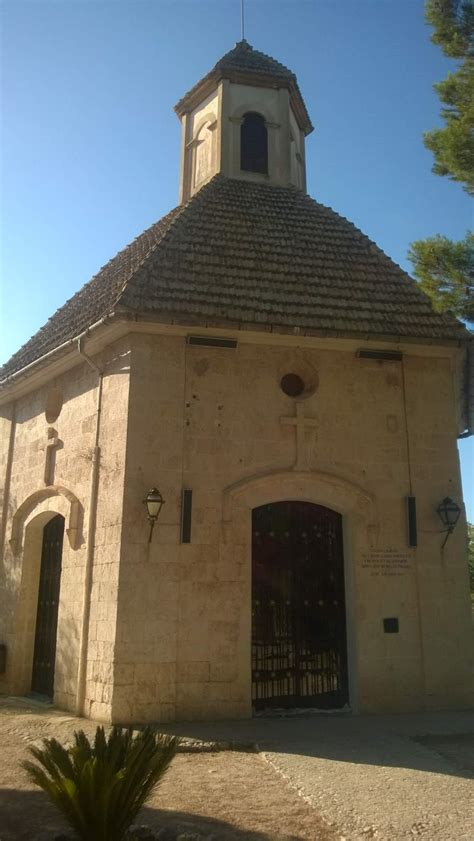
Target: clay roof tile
[(235, 266)]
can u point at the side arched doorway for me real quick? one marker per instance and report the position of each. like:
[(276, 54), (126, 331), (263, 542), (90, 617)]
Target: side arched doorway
[(299, 646), (48, 606)]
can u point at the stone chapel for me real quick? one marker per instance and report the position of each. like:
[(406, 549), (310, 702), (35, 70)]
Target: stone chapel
[(296, 402)]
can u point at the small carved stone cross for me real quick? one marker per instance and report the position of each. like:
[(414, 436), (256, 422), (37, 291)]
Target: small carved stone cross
[(301, 423), (53, 443)]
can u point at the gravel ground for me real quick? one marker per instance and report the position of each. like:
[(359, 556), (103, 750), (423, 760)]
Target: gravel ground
[(318, 777), (226, 795), (385, 777)]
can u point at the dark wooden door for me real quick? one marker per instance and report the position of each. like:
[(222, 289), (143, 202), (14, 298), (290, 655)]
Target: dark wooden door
[(299, 649), (48, 604)]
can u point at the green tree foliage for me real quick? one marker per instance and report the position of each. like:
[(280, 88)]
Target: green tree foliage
[(445, 270), (453, 22), (100, 787), (453, 145), (470, 538)]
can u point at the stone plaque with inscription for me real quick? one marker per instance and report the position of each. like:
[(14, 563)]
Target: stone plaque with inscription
[(388, 563)]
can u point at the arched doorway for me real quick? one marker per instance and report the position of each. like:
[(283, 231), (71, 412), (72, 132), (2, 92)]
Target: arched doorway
[(48, 605), (299, 648)]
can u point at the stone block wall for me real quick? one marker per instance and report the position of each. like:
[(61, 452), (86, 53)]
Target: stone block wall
[(31, 502), (170, 622), (209, 419)]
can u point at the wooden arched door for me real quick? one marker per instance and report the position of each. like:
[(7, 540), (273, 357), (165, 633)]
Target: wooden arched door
[(299, 649), (48, 605)]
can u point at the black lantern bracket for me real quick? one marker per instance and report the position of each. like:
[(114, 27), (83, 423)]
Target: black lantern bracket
[(154, 503), (449, 513)]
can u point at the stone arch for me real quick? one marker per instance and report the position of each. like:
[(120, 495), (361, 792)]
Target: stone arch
[(26, 541), (273, 139), (209, 119), (37, 505), (28, 584), (202, 149), (360, 526), (256, 107), (327, 489)]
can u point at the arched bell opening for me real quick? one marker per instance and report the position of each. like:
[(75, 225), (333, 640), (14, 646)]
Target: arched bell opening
[(254, 144), (299, 639)]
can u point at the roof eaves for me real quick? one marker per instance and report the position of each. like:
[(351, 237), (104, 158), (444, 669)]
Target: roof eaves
[(190, 320), (254, 78), (57, 351)]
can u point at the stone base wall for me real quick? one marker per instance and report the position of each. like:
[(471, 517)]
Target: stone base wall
[(209, 419), (169, 629), (65, 410)]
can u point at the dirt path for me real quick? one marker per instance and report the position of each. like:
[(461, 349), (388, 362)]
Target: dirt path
[(229, 795), (384, 777)]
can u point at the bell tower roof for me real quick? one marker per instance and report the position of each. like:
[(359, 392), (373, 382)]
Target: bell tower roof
[(244, 65)]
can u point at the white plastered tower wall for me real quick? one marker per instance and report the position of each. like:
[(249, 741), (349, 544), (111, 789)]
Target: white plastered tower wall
[(211, 137)]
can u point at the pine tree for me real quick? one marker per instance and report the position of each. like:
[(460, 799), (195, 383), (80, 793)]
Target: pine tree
[(445, 270), (453, 145)]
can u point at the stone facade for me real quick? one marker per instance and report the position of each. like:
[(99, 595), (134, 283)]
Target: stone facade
[(29, 503), (168, 636)]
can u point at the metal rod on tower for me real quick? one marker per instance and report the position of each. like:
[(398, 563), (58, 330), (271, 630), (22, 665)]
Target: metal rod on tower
[(242, 19)]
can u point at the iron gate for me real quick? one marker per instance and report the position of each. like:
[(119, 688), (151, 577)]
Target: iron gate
[(48, 605), (299, 651)]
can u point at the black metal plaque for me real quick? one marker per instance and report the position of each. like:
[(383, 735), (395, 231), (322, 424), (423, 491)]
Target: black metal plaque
[(299, 649), (186, 514)]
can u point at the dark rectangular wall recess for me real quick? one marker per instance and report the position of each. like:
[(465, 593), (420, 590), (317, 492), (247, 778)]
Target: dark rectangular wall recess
[(390, 625), (211, 341), (383, 355), (186, 515), (411, 521)]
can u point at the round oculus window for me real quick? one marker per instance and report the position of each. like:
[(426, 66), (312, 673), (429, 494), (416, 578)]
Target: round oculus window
[(292, 385)]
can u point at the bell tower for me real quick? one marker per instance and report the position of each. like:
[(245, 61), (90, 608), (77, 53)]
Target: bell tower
[(246, 119)]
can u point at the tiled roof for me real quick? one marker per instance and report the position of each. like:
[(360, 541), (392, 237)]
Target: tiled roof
[(95, 300), (241, 252), (244, 57), (241, 64)]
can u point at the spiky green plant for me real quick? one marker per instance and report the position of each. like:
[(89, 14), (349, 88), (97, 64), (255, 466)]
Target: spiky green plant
[(101, 787)]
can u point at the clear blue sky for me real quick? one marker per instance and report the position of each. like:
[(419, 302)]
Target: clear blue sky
[(90, 145)]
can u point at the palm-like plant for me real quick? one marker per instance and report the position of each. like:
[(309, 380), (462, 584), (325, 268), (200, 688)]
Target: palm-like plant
[(100, 787)]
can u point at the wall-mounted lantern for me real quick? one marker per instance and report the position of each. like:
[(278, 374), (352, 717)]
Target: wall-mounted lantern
[(154, 503), (449, 513)]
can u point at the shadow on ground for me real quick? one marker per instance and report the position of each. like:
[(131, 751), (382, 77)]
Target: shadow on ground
[(438, 743), (457, 749), (431, 742), (26, 814)]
